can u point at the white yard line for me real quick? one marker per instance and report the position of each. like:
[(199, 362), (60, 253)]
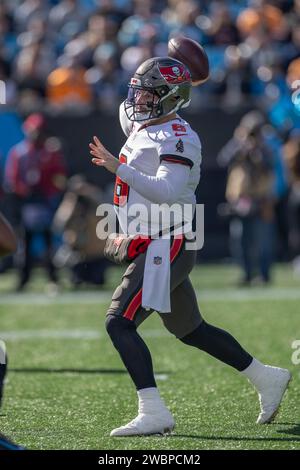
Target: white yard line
[(86, 297), (84, 334), (92, 297), (207, 295)]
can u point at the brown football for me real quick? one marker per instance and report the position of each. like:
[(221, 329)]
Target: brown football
[(191, 54)]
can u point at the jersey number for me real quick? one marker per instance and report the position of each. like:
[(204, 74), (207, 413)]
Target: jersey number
[(121, 188)]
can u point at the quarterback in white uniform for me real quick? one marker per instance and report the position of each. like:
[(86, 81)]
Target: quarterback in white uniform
[(160, 164), (152, 151)]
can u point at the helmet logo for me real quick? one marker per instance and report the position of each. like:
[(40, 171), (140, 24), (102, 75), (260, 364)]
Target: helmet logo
[(135, 81), (175, 73)]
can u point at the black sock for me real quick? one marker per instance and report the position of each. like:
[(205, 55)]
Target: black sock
[(132, 349), (219, 344), (3, 368)]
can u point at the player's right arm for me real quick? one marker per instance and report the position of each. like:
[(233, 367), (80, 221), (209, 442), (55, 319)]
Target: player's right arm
[(8, 240), (165, 187), (172, 175)]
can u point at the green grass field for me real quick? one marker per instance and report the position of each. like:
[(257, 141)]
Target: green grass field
[(67, 387)]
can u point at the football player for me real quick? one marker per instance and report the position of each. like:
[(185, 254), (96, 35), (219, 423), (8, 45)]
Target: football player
[(8, 241), (8, 245), (160, 163)]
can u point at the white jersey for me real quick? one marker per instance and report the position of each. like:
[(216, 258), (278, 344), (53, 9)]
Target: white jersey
[(161, 164)]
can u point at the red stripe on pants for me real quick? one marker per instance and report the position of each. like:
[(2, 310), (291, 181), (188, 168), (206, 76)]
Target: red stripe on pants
[(136, 302)]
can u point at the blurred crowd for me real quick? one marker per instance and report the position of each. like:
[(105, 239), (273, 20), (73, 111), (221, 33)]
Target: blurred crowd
[(53, 214), (78, 56), (80, 53), (262, 196)]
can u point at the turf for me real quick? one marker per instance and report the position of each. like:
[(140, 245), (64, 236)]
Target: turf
[(67, 387)]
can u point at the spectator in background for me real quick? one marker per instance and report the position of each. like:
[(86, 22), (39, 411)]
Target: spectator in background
[(284, 111), (67, 20), (27, 10), (274, 143), (140, 22), (37, 56), (234, 85), (133, 56), (77, 221), (105, 78), (221, 29), (102, 29), (250, 195), (33, 64), (37, 29), (66, 12), (184, 19), (118, 10), (67, 87), (8, 37), (35, 172), (250, 44), (291, 151), (146, 42)]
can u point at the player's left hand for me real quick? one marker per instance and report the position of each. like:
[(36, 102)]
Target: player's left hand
[(103, 157)]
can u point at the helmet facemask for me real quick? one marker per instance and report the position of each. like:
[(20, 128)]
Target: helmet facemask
[(142, 104)]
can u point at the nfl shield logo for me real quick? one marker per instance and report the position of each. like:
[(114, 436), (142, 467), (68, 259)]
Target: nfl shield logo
[(157, 260)]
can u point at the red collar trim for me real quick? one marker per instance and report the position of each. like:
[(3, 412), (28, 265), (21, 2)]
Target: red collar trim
[(143, 126)]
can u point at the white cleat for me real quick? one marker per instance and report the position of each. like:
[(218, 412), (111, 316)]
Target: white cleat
[(146, 424), (271, 394)]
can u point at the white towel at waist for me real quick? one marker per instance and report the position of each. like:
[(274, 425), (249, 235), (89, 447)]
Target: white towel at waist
[(157, 274)]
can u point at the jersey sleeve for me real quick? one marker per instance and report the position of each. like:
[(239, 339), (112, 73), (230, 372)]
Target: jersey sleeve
[(183, 150), (126, 124), (165, 187)]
